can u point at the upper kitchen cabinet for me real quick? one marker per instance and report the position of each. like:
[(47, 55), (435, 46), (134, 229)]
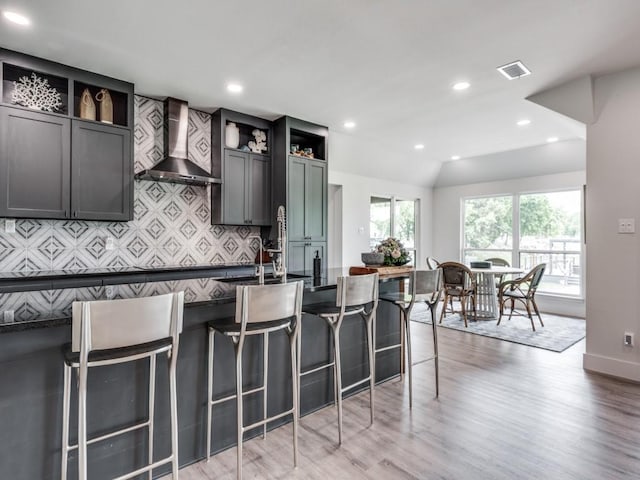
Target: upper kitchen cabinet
[(241, 156), (300, 182), (65, 142)]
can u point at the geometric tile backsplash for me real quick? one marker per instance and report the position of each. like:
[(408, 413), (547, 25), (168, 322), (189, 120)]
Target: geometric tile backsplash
[(171, 224)]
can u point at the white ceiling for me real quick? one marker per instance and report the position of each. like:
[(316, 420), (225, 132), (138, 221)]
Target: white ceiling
[(388, 65)]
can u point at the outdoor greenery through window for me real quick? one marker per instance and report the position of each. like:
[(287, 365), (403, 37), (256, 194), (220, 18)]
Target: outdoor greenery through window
[(526, 230), (393, 217)]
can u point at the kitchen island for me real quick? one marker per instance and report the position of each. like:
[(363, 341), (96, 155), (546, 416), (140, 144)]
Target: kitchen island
[(32, 334)]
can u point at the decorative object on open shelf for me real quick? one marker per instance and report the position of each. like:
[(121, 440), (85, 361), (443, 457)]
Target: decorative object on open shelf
[(305, 152), (394, 252), (35, 92), (372, 259), (106, 105), (260, 145), (87, 106), (231, 135)]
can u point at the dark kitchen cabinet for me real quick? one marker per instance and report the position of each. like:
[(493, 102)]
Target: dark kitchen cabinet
[(307, 198), (247, 192), (301, 255), (34, 164), (54, 161), (101, 172), (301, 184), (244, 197)]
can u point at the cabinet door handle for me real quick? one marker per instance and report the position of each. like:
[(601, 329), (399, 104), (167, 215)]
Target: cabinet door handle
[(75, 214), (66, 214)]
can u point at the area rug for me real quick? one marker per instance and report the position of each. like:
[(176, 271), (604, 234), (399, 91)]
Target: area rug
[(558, 334)]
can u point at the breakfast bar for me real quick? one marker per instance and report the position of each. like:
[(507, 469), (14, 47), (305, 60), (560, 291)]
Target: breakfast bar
[(36, 313)]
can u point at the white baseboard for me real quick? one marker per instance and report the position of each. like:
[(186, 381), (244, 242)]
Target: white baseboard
[(611, 366)]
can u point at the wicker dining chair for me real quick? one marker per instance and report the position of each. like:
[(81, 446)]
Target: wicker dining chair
[(499, 262), (432, 263), (523, 290), (459, 282)]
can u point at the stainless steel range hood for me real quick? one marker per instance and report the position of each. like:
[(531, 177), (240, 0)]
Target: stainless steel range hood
[(176, 166)]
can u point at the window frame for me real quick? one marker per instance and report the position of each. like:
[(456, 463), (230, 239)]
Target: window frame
[(516, 252), (392, 221)]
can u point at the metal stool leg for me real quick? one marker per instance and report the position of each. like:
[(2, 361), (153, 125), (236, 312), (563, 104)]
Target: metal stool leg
[(239, 414), (152, 392), (338, 380), (173, 392), (370, 322), (66, 402), (210, 392), (432, 308), (407, 332), (295, 394), (82, 423), (265, 365)]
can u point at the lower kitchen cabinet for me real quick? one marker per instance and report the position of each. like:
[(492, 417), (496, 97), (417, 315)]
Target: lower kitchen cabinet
[(301, 255)]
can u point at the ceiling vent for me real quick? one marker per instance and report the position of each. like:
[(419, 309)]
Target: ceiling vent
[(513, 70)]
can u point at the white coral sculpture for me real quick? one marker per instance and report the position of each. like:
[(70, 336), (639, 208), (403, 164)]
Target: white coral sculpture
[(35, 92), (260, 145)]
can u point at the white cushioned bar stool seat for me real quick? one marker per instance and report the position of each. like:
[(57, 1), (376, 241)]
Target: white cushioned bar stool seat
[(107, 332)]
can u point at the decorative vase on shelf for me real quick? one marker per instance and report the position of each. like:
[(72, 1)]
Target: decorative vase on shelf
[(87, 106), (106, 106), (231, 135)]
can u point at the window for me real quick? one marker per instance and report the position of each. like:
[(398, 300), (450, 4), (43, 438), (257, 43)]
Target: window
[(526, 230), (393, 217)]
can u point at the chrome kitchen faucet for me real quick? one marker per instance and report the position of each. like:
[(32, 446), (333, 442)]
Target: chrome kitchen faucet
[(280, 260)]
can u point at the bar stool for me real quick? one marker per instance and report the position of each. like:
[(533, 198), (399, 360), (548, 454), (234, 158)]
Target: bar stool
[(424, 286), (260, 309), (107, 332), (353, 295)]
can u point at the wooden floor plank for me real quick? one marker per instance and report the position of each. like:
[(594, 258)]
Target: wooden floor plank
[(505, 411)]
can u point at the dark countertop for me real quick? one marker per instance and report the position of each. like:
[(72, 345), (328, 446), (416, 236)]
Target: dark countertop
[(42, 307), (96, 277)]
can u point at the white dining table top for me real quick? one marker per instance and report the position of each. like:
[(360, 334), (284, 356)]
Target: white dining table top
[(497, 269)]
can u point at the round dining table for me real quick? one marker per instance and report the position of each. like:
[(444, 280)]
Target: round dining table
[(486, 295)]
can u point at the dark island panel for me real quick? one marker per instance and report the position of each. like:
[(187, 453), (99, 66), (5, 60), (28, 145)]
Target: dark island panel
[(31, 379)]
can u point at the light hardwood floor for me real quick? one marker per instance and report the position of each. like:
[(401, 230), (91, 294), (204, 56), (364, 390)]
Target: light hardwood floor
[(505, 411)]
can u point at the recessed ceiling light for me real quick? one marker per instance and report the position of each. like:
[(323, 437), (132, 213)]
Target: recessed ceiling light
[(552, 139), (523, 122), (455, 157), (349, 124), (419, 146), (16, 18), (234, 87), (461, 86)]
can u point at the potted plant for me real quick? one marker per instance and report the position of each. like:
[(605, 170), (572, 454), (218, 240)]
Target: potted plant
[(394, 252)]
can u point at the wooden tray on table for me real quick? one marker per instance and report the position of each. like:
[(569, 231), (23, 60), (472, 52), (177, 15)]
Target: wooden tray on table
[(383, 271)]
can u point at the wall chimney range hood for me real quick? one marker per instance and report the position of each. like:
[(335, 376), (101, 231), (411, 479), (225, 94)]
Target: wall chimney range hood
[(176, 166)]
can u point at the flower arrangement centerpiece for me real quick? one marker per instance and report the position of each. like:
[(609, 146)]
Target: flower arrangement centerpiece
[(394, 252)]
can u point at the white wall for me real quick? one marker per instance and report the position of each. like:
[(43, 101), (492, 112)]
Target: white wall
[(354, 191), (613, 191), (448, 224), (356, 194)]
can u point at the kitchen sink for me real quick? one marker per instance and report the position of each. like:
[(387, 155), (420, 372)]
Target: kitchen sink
[(254, 280)]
